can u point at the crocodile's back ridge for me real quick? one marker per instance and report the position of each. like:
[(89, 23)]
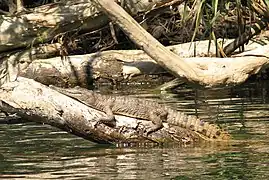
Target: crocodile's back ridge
[(211, 131), (142, 108), (139, 108)]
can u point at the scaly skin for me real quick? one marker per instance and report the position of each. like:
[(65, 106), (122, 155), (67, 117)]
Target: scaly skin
[(144, 109)]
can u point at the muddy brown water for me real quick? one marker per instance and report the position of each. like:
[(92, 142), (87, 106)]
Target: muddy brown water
[(31, 151)]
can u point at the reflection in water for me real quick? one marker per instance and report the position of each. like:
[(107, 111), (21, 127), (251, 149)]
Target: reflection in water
[(40, 151)]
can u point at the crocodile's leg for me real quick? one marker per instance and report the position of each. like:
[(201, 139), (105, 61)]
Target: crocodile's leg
[(109, 120), (157, 119)]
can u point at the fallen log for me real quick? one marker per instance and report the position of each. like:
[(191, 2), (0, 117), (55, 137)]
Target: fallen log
[(213, 74), (167, 59), (123, 66), (44, 23), (35, 102), (105, 67)]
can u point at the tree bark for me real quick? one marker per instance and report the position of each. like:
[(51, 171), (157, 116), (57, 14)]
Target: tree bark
[(35, 102), (46, 22), (123, 66), (126, 65)]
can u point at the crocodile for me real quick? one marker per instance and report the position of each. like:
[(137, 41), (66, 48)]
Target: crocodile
[(143, 109)]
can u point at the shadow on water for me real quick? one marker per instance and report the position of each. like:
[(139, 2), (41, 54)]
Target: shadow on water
[(31, 151)]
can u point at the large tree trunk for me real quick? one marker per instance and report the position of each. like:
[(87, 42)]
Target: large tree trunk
[(36, 102), (123, 66)]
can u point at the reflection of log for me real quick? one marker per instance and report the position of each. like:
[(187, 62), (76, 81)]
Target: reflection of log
[(36, 102)]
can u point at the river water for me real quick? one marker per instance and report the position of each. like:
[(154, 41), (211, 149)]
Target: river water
[(31, 151)]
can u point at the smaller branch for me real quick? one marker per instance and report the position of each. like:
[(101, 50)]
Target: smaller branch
[(245, 37), (216, 71), (260, 7), (171, 85), (4, 12)]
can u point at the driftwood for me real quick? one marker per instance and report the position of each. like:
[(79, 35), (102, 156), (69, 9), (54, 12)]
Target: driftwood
[(49, 21), (56, 19), (167, 59), (33, 101), (36, 102), (211, 75), (122, 66), (44, 23), (114, 66)]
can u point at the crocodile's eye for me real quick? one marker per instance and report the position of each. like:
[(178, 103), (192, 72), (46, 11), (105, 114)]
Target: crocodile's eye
[(204, 132), (191, 127), (218, 133)]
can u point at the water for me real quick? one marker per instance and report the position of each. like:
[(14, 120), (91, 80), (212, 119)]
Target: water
[(31, 151)]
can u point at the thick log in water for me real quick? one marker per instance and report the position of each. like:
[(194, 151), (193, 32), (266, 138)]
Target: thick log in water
[(36, 102)]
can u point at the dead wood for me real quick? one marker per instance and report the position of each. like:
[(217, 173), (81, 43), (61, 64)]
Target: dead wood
[(51, 21), (46, 22), (213, 74), (114, 66), (146, 42), (123, 66), (260, 8), (245, 37), (35, 102), (108, 66)]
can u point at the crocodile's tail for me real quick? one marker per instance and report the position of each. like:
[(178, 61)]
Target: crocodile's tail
[(205, 129)]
